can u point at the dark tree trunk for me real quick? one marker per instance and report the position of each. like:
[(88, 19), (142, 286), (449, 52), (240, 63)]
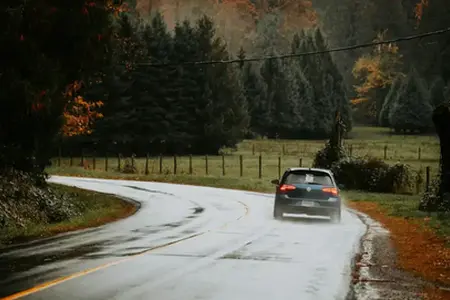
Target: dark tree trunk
[(441, 120)]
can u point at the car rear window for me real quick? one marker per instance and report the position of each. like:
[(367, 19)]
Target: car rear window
[(313, 177)]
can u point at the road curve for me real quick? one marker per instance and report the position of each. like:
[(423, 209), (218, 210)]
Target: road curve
[(187, 243)]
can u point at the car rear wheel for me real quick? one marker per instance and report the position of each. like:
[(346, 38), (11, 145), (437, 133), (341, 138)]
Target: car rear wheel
[(277, 212), (336, 216)]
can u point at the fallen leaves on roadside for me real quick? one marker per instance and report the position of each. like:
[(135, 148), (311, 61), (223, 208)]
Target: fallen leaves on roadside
[(420, 250)]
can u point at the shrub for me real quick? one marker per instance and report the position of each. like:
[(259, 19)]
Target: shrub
[(373, 175), (23, 201), (431, 199), (129, 167), (328, 156)]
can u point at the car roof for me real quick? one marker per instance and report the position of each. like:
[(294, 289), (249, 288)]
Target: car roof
[(310, 169)]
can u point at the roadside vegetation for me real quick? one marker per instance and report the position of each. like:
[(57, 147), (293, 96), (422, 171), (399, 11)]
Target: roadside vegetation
[(35, 212)]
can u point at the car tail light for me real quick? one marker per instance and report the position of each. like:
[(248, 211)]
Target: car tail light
[(331, 190), (286, 188)]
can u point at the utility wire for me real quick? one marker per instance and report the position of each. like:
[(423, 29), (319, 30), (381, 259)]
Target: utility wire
[(293, 55)]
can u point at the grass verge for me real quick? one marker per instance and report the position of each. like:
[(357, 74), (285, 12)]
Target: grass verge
[(96, 209)]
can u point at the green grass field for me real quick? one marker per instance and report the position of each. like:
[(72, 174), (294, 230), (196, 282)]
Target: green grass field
[(276, 155), (364, 141)]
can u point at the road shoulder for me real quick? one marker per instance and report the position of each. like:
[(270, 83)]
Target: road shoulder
[(389, 265)]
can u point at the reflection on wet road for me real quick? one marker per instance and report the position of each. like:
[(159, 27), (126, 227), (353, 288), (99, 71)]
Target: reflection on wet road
[(186, 243)]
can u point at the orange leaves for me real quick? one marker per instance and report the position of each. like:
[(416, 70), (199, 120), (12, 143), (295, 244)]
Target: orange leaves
[(357, 101), (419, 8), (420, 250), (116, 8), (79, 114), (378, 69)]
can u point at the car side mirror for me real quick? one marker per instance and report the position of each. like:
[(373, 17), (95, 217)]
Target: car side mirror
[(275, 181)]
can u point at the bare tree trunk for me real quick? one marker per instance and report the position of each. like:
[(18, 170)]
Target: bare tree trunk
[(441, 120)]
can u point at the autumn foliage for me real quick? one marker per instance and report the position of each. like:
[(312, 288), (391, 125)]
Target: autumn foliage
[(79, 114), (376, 72), (419, 249)]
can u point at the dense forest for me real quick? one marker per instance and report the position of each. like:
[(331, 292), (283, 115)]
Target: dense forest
[(123, 83), (201, 108)]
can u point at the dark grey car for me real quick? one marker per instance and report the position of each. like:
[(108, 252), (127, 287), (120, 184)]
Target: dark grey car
[(307, 191)]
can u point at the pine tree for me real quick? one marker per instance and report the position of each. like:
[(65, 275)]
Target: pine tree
[(412, 110), (222, 116), (388, 103), (275, 96), (187, 84), (437, 92), (254, 93)]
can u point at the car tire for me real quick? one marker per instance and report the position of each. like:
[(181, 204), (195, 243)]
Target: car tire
[(336, 217), (277, 212)]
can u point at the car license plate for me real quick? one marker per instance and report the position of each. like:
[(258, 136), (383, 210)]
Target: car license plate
[(307, 203)]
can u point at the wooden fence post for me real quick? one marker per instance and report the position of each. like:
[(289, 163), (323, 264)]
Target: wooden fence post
[(106, 162), (300, 162), (260, 167), (94, 161), (223, 165), (279, 167), (118, 162), (419, 153), (206, 165), (146, 164), (253, 149), (160, 164), (241, 165), (385, 152), (190, 164), (427, 179), (71, 160), (175, 166)]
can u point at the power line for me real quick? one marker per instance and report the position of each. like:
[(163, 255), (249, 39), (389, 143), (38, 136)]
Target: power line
[(293, 55)]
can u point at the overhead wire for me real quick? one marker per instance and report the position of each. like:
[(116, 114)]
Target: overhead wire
[(295, 55)]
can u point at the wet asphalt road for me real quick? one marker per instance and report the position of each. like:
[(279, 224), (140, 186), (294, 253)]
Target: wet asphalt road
[(187, 243)]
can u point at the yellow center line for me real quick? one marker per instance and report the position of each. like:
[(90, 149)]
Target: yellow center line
[(63, 279)]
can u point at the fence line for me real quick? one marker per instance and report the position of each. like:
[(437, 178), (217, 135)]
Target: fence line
[(264, 166), (388, 152)]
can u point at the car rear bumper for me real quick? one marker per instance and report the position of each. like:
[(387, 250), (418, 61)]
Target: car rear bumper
[(320, 207), (313, 211)]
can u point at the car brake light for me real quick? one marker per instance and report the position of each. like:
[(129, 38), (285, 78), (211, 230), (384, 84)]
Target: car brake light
[(330, 190), (286, 188)]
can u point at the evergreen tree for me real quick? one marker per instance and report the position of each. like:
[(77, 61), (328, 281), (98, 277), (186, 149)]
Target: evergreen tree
[(222, 116), (187, 84), (411, 110), (388, 102), (437, 92), (114, 90), (254, 93)]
